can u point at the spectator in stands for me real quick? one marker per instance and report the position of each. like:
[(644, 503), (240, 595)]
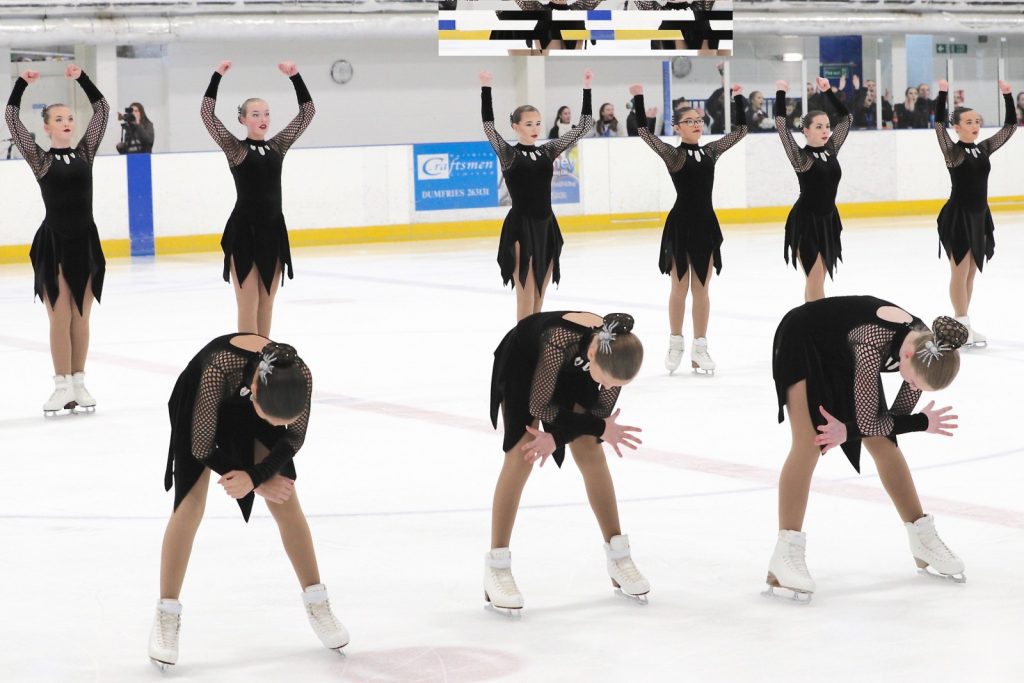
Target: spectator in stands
[(607, 126), (137, 132), (758, 120), (864, 107), (563, 123), (906, 114), (925, 105)]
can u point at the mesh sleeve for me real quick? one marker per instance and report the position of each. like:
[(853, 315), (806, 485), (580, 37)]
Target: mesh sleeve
[(557, 350), (844, 120), (529, 5), (606, 400), (585, 5), (952, 154), (283, 141), (212, 392), (673, 157), (871, 419), (231, 146), (97, 124), (724, 143), (37, 159), (646, 5), (800, 161), (586, 124), (286, 448), (504, 151), (1003, 134)]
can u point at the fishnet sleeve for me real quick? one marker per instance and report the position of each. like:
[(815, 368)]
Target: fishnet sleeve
[(606, 400), (673, 157), (646, 5), (800, 161), (724, 143), (506, 155), (844, 120), (97, 124), (213, 389), (952, 154), (586, 124), (529, 5), (1002, 135), (37, 159), (232, 146), (585, 5), (286, 448), (283, 141), (557, 350), (869, 343)]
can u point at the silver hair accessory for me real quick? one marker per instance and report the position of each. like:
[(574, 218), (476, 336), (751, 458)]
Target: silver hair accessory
[(932, 351), (266, 366), (606, 336)]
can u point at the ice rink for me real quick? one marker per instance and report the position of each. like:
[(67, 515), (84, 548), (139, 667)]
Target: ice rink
[(400, 462)]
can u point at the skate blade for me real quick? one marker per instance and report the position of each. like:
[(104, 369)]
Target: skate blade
[(83, 410), (60, 412), (638, 599), (789, 594), (163, 666), (508, 612), (703, 373), (928, 570)]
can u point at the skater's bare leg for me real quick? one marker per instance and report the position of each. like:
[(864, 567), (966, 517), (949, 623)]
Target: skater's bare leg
[(959, 292), (795, 480), (590, 458), (80, 330), (59, 313), (701, 302), (295, 534), (265, 307), (896, 478), (509, 489), (677, 300), (814, 287), (247, 298), (538, 302), (526, 292), (178, 537)]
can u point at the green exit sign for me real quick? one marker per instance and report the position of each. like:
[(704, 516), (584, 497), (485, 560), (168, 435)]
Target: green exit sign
[(951, 48)]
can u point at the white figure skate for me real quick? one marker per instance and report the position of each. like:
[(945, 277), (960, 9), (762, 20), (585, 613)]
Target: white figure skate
[(933, 556), (700, 359), (500, 590), (787, 569), (163, 639), (332, 634), (626, 578), (675, 353), (86, 403), (63, 397), (975, 340)]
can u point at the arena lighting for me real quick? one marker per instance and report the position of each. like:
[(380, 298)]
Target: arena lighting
[(792, 56)]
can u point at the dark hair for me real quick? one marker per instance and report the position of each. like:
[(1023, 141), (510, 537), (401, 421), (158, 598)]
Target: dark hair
[(941, 371), (517, 115), (47, 108), (958, 113), (284, 390), (627, 353), (677, 114), (907, 91), (558, 114), (142, 112), (811, 115)]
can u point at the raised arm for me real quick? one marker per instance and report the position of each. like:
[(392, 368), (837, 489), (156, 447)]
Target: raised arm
[(673, 157), (231, 146), (722, 145), (100, 113), (952, 154), (33, 153), (800, 161), (585, 5), (586, 124), (1001, 136), (529, 5), (283, 141), (557, 349), (844, 120), (504, 150), (288, 445)]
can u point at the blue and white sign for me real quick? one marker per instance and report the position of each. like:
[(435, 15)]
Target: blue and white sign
[(455, 175)]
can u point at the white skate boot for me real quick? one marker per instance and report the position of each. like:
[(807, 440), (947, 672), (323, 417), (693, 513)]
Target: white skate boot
[(318, 608), (675, 352), (163, 639), (626, 578), (975, 340), (63, 397), (700, 359), (788, 567), (500, 589), (83, 398), (929, 551)]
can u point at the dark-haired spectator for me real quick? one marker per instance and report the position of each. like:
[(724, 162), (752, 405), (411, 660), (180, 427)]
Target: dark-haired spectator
[(137, 132), (607, 126), (925, 105), (906, 114), (563, 123), (864, 107)]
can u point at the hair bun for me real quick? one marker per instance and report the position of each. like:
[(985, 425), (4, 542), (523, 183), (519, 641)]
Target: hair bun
[(949, 331), (623, 322), (284, 355)]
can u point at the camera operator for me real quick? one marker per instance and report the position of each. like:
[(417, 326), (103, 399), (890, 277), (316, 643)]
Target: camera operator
[(136, 131)]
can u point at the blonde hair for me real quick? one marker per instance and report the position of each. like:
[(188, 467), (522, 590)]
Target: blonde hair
[(243, 108), (47, 108)]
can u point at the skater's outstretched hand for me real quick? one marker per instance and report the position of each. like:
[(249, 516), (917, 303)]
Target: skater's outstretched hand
[(237, 483), (542, 446), (619, 435), (278, 489), (288, 68), (939, 422), (833, 432)]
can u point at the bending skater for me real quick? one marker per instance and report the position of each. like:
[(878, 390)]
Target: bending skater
[(965, 222), (66, 254), (531, 240), (240, 408), (692, 239), (255, 241), (827, 360), (813, 227), (564, 369)]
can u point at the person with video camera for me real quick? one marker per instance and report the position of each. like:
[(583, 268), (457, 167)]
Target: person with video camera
[(136, 131)]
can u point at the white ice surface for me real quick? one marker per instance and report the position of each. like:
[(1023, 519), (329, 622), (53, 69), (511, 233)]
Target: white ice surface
[(398, 470)]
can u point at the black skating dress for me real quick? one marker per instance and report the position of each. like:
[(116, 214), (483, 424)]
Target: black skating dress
[(541, 372), (214, 425), (67, 242), (813, 227), (255, 234), (694, 31), (530, 222), (692, 231), (840, 346), (965, 222), (549, 29)]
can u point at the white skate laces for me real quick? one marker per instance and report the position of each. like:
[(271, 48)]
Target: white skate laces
[(675, 352), (318, 609), (700, 359), (623, 572), (163, 639), (500, 588), (930, 551), (788, 566)]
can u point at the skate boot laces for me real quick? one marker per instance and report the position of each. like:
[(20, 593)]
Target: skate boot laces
[(628, 570), (168, 625), (322, 616), (506, 582), (795, 559), (933, 543)]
